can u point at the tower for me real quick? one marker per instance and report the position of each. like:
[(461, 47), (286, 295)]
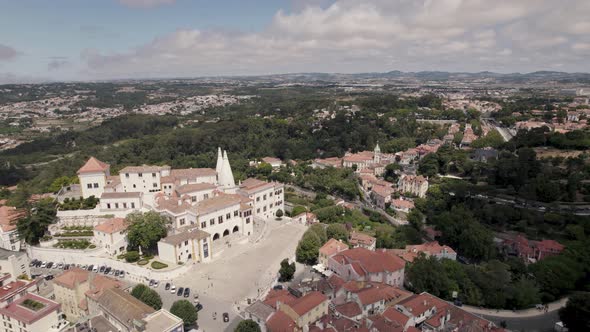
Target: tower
[(225, 176), (219, 163), (377, 154)]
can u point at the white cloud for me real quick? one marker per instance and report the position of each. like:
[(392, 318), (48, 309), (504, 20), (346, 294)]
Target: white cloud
[(145, 3), (355, 36)]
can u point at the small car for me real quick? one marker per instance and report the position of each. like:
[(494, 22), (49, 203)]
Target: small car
[(90, 267), (225, 317), (49, 277), (60, 266), (198, 307), (187, 292), (121, 274), (167, 286), (152, 283), (156, 284), (67, 267), (102, 268), (107, 270), (278, 287), (172, 289), (49, 265), (33, 263), (180, 291), (117, 273), (95, 269)]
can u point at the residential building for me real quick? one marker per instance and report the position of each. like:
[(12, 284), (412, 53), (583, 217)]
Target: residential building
[(381, 195), (112, 235), (361, 264), (32, 313), (259, 312), (306, 309), (15, 263), (121, 309), (402, 205), (274, 162), (163, 321), (12, 289), (93, 177), (415, 185), (362, 240), (9, 239), (266, 197), (329, 249), (411, 252), (191, 244)]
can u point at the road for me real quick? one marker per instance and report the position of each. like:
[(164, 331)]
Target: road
[(507, 134)]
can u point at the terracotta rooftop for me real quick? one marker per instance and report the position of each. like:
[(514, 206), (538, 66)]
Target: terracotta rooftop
[(193, 233), (307, 302), (382, 191), (112, 225), (100, 283), (271, 160), (192, 173), (370, 261), (279, 295), (71, 277), (418, 304), (359, 157), (332, 247), (123, 305), (93, 165), (9, 215), (216, 203), (192, 187), (349, 309), (143, 169), (357, 238), (17, 311), (252, 185), (392, 314), (10, 289), (280, 322)]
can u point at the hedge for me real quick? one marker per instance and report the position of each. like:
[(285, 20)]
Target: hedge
[(159, 265)]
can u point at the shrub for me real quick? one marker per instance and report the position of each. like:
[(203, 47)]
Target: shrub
[(122, 256), (92, 246), (132, 256), (159, 265), (73, 244), (143, 262)]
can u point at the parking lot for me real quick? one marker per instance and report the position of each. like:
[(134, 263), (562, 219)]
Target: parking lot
[(237, 274)]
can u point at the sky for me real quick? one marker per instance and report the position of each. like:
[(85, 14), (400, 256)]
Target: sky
[(117, 39)]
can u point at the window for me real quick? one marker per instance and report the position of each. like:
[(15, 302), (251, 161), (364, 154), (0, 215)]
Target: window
[(155, 185), (228, 216), (127, 175), (134, 186), (153, 175), (264, 209), (96, 185), (194, 198), (140, 175), (116, 205), (181, 221), (186, 243), (132, 205), (258, 210), (108, 205), (236, 213), (204, 224), (206, 196), (212, 222), (258, 199), (89, 186), (124, 205), (247, 220), (220, 220), (264, 197), (205, 250)]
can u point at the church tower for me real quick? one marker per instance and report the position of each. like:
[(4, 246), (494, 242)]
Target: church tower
[(377, 154)]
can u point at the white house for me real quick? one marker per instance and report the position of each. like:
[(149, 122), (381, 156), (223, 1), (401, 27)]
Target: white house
[(267, 197), (121, 201), (93, 177), (32, 313), (14, 262), (112, 235), (9, 239), (191, 244)]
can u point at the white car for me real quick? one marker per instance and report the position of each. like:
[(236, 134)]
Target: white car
[(95, 269), (173, 289), (156, 284), (43, 264)]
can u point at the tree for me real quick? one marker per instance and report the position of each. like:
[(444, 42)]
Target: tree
[(286, 271), (147, 296), (320, 231), (279, 214), (297, 210), (58, 183), (145, 230), (429, 166), (32, 227), (247, 325), (308, 248), (576, 313), (428, 275), (337, 231), (185, 311)]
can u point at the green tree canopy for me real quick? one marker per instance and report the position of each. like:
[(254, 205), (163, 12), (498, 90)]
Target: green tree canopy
[(308, 248), (247, 325), (185, 311), (147, 296), (286, 271), (32, 227), (337, 231), (145, 230), (576, 313)]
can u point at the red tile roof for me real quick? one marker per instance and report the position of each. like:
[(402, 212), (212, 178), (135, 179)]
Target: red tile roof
[(112, 225), (357, 238), (12, 288), (370, 261), (71, 277), (332, 247), (307, 302), (93, 165), (418, 304), (280, 295), (280, 322), (9, 215), (394, 315), (349, 309), (23, 314)]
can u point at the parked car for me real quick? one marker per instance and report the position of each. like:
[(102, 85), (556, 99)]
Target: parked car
[(187, 292), (152, 282), (172, 289), (196, 298), (49, 277), (60, 266), (95, 269), (225, 317), (180, 291), (33, 262), (49, 265), (102, 268), (44, 264), (121, 274), (90, 267), (112, 272), (167, 286), (117, 273), (107, 270), (198, 307), (278, 287), (156, 284)]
